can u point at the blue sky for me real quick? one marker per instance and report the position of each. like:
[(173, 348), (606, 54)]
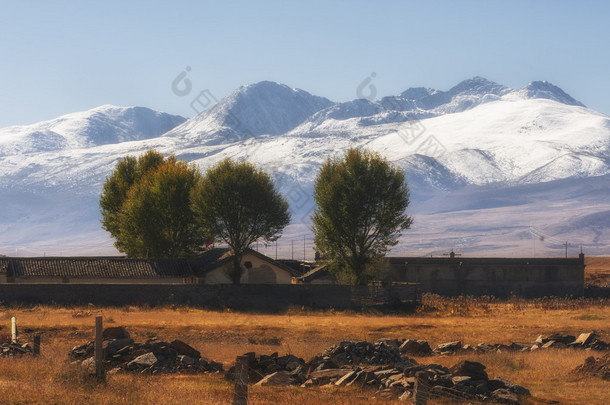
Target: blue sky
[(65, 56)]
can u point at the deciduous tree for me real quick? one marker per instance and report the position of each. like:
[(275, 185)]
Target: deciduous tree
[(146, 207), (238, 204), (361, 202)]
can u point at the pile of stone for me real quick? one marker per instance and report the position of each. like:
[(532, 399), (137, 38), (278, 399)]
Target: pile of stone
[(383, 367), (384, 351), (596, 367), (291, 368), (15, 349), (583, 341), (586, 341), (154, 356)]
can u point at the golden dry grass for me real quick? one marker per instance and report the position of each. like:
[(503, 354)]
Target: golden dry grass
[(223, 335)]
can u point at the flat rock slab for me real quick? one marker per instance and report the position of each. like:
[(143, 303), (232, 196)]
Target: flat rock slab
[(330, 373), (113, 346), (143, 361), (449, 346), (184, 348), (584, 339), (506, 396), (471, 369), (277, 378), (511, 386)]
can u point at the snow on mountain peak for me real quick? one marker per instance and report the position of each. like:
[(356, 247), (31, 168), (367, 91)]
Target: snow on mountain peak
[(478, 86), (256, 109), (544, 89), (106, 124)]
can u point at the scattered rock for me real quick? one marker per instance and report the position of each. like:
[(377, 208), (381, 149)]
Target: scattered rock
[(599, 367), (185, 349), (112, 347), (15, 349), (415, 347), (406, 396), (146, 360), (448, 348), (115, 332), (511, 386), (561, 338), (277, 378), (347, 378), (505, 396), (584, 339), (471, 369)]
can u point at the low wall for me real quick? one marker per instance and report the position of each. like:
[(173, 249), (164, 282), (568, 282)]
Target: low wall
[(500, 277), (261, 296)]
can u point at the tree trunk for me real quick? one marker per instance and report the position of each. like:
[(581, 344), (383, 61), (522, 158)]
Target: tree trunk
[(236, 271)]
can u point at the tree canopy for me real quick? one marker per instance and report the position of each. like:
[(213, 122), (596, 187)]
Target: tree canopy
[(361, 202), (238, 204), (146, 206)]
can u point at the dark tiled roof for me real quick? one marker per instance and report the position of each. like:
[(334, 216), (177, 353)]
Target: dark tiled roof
[(213, 258), (210, 259), (98, 267), (316, 272), (293, 264)]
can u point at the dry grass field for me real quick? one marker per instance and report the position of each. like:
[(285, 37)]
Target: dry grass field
[(221, 336)]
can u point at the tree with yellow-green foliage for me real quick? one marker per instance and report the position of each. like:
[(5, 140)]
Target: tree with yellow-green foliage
[(361, 202), (146, 207), (238, 204)]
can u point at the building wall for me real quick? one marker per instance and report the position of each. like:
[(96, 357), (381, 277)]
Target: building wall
[(261, 272), (257, 296), (499, 277), (324, 280)]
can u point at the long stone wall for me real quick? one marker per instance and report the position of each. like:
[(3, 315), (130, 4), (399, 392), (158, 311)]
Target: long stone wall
[(249, 296), (500, 277)]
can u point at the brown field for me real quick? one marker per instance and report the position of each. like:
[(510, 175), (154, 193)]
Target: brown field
[(221, 336), (597, 271)]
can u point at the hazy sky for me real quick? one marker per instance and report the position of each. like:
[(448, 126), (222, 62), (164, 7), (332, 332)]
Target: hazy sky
[(64, 56)]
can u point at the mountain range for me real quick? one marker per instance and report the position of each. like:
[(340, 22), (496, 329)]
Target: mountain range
[(492, 170)]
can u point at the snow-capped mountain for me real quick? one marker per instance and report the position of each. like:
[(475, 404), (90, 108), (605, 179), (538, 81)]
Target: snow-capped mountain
[(257, 109), (486, 164), (103, 125)]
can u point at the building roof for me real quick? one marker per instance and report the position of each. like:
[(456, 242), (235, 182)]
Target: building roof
[(95, 267), (209, 260), (216, 257), (315, 273)]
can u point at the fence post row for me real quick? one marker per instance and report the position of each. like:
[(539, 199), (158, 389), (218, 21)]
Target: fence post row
[(99, 350), (240, 396)]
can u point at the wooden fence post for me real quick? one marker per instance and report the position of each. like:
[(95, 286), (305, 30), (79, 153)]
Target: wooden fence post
[(14, 330), (99, 351), (422, 388), (36, 351), (240, 396)]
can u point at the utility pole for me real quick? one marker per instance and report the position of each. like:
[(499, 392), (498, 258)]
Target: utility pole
[(452, 254), (303, 247), (566, 249), (292, 250), (275, 250)]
